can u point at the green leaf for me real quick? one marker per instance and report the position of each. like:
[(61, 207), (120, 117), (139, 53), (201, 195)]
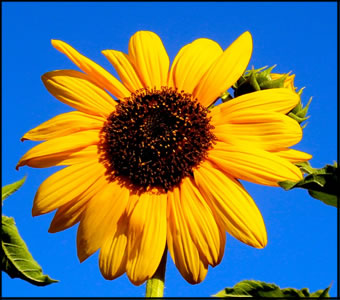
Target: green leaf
[(8, 190), (253, 288), (16, 260), (325, 197), (322, 184)]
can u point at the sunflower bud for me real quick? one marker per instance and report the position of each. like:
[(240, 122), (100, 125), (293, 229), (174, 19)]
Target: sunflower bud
[(261, 79)]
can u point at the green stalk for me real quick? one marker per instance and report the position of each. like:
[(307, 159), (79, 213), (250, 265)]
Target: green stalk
[(155, 285)]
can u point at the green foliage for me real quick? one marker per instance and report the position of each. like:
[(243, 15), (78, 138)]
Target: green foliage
[(253, 288), (16, 260), (322, 184), (7, 190)]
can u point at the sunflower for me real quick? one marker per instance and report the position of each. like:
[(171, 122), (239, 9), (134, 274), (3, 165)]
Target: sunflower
[(149, 167)]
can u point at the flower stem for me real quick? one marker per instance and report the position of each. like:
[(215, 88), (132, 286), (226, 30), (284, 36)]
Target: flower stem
[(155, 285)]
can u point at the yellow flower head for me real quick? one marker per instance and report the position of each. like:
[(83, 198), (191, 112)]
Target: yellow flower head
[(150, 167)]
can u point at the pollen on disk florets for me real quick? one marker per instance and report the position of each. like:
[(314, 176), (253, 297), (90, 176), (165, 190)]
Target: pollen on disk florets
[(155, 138)]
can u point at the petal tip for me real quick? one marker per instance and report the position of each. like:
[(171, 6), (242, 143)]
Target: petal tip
[(38, 209), (19, 164), (258, 240), (81, 257), (52, 229), (262, 242), (35, 211), (56, 43), (44, 77), (137, 281), (81, 253), (247, 33), (247, 37), (107, 275)]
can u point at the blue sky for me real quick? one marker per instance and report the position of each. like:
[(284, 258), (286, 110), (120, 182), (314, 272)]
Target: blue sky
[(296, 36)]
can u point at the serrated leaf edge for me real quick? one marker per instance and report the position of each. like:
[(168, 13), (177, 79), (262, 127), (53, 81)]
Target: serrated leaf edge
[(17, 185), (13, 261)]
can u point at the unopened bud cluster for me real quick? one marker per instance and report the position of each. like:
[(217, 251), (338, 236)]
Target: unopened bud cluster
[(262, 79)]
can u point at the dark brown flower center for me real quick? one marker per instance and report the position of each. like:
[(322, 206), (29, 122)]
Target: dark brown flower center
[(155, 138)]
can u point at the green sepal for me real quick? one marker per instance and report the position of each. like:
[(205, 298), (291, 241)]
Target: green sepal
[(246, 84), (322, 184), (297, 118), (263, 76), (273, 84), (253, 82), (9, 189), (303, 111), (299, 112), (254, 288), (256, 80), (16, 260)]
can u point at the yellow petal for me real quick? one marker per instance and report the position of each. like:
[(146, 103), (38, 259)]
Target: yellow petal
[(133, 200), (292, 155), (64, 124), (112, 256), (261, 129), (97, 74), (235, 208), (83, 155), (150, 59), (124, 68), (180, 242), (100, 218), (54, 151), (225, 71), (253, 164), (147, 237), (74, 88), (67, 158), (202, 225), (192, 62), (273, 100), (70, 213), (65, 185), (180, 53)]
